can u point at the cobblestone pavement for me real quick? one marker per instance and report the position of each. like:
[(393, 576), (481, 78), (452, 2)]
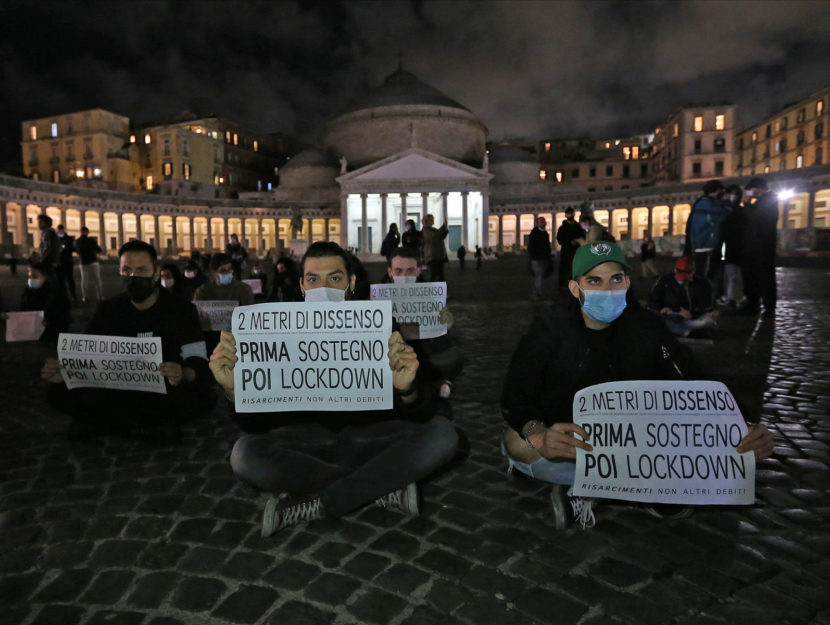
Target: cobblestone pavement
[(129, 532)]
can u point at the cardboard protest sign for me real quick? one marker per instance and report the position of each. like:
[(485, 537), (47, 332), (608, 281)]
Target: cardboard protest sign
[(312, 356), (415, 306), (663, 442), (24, 326), (118, 362), (255, 284), (215, 314)]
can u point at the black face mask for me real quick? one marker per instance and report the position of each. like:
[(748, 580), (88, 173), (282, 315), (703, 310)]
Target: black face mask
[(138, 288)]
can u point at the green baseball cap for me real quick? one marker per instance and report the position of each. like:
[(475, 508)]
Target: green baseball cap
[(590, 255)]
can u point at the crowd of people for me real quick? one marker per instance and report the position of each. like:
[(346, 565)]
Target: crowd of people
[(327, 463)]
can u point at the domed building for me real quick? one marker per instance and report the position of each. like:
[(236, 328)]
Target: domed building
[(407, 150)]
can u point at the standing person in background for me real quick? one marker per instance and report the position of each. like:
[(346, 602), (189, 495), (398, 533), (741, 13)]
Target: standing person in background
[(570, 236), (704, 232), (66, 265), (237, 254), (759, 242), (412, 237), (733, 229), (648, 250), (88, 250), (49, 249), (538, 251), (461, 252), (479, 255), (390, 241), (435, 254), (43, 293)]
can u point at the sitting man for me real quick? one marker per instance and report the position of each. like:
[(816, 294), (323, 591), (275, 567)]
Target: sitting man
[(142, 310), (329, 463), (440, 360), (599, 335), (684, 298)]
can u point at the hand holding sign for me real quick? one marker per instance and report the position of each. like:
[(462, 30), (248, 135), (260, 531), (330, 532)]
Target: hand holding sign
[(560, 441), (758, 440), (403, 361), (51, 371), (222, 361)]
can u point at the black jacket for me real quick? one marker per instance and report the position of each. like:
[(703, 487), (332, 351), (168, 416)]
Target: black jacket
[(695, 296), (560, 356), (538, 245)]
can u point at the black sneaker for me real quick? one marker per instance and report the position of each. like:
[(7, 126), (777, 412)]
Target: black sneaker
[(286, 511), (669, 511), (568, 509)]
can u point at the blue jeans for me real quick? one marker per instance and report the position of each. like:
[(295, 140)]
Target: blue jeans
[(348, 468), (538, 267), (553, 471)]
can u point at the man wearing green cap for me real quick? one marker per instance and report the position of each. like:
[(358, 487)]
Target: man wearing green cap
[(598, 335)]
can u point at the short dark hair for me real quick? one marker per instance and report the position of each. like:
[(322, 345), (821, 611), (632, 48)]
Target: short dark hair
[(46, 218), (84, 229), (61, 227), (570, 210), (403, 252), (324, 249), (139, 246), (38, 266), (219, 259)]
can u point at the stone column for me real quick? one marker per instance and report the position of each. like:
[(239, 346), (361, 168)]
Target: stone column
[(102, 231), (670, 226), (83, 217), (156, 237), (174, 248), (631, 226), (383, 225), (120, 217), (344, 222), (650, 225), (260, 246), (308, 230), (4, 225), (445, 213), (364, 224), (192, 234), (63, 217), (811, 209), (208, 237), (465, 228), (327, 224), (226, 233), (518, 245), (500, 242), (424, 204), (403, 210)]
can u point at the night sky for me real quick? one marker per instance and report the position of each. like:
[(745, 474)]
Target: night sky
[(526, 68)]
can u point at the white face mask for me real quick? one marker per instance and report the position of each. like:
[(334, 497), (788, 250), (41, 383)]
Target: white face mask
[(404, 279), (190, 274), (325, 294), (168, 284), (34, 283)]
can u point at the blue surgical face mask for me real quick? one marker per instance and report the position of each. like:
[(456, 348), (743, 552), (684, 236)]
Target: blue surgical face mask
[(225, 278), (602, 305)]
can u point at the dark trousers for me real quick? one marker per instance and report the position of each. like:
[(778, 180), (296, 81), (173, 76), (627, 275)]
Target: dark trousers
[(759, 282), (436, 270), (347, 468), (66, 276)]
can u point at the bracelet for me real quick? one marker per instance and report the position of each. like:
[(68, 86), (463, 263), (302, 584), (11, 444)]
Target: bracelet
[(527, 430)]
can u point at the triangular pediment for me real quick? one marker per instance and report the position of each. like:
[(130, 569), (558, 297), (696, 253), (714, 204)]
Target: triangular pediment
[(414, 164)]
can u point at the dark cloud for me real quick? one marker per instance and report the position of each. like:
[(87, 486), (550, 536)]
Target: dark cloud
[(527, 68)]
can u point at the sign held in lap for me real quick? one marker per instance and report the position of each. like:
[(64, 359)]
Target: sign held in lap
[(215, 314), (312, 356), (24, 326), (415, 306), (116, 362), (663, 442)]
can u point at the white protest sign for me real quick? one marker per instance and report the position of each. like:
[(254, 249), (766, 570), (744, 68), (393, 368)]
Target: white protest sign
[(215, 314), (255, 284), (415, 306), (663, 442), (312, 356), (119, 362), (24, 326)]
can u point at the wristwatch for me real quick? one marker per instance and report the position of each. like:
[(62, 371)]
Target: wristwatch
[(528, 429)]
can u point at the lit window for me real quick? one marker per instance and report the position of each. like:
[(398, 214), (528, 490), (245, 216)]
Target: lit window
[(227, 136), (698, 123), (819, 107), (269, 186), (132, 138), (148, 139), (216, 179), (626, 152), (149, 183), (54, 129), (235, 139), (766, 169), (542, 174), (799, 161), (607, 144), (720, 122), (559, 176), (79, 173), (97, 172), (167, 169), (547, 146), (33, 132), (755, 136), (56, 176), (675, 129), (256, 145), (617, 142), (635, 152), (186, 171)]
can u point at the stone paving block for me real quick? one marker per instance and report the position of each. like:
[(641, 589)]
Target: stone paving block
[(493, 582), (366, 565), (151, 589), (460, 541), (165, 620), (377, 607), (195, 505), (111, 617), (247, 604), (549, 607), (161, 504), (443, 562), (13, 614), (17, 588), (118, 504), (617, 573), (230, 535), (101, 528), (202, 560), (65, 587), (121, 553), (291, 575), (161, 554), (403, 578), (423, 615), (488, 611), (148, 527), (247, 565), (193, 530), (67, 554), (59, 615), (72, 529), (197, 594), (331, 588), (330, 553), (236, 510), (446, 596), (108, 587), (396, 543), (299, 613)]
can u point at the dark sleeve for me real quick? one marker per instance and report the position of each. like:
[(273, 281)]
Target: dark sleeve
[(705, 301), (521, 395), (191, 332), (673, 360), (655, 297), (98, 324)]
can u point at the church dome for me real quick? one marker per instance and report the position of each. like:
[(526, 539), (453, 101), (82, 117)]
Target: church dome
[(401, 113), (309, 168)]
